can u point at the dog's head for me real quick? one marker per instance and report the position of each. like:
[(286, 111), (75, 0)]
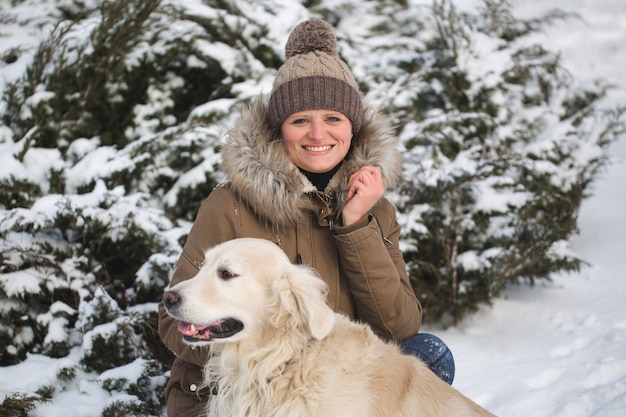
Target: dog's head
[(244, 286)]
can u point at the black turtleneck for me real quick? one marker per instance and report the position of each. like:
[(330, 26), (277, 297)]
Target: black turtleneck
[(320, 180)]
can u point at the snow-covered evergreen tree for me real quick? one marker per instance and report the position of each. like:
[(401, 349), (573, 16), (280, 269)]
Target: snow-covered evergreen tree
[(110, 137), (500, 147)]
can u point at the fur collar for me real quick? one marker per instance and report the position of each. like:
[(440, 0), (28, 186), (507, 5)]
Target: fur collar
[(259, 171)]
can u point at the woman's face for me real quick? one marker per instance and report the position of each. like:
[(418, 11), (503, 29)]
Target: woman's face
[(317, 140)]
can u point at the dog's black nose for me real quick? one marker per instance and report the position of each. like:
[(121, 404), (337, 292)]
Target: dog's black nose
[(170, 298)]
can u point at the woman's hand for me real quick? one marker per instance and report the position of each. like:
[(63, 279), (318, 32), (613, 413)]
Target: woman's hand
[(365, 187)]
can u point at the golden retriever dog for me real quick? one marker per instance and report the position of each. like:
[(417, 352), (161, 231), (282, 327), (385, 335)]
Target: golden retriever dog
[(279, 350)]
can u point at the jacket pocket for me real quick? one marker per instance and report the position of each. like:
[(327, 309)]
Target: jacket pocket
[(186, 379)]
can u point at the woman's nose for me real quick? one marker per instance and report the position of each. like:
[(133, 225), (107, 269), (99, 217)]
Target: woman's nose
[(317, 131)]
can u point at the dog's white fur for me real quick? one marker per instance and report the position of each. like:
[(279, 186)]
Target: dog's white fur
[(296, 357)]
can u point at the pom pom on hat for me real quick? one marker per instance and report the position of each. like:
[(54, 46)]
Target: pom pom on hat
[(314, 77), (312, 35)]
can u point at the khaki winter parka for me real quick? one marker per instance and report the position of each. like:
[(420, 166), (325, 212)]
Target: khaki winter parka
[(266, 196)]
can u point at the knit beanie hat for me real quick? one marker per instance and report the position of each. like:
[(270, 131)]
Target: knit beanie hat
[(314, 77)]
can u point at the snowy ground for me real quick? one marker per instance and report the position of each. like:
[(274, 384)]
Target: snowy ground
[(560, 350)]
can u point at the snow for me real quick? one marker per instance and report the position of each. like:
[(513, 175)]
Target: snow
[(554, 350), (20, 282), (560, 349)]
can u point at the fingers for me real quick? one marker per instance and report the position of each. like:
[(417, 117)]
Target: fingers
[(366, 174), (367, 184), (365, 187), (369, 177)]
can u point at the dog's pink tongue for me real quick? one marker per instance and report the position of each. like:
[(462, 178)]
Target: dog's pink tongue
[(189, 329)]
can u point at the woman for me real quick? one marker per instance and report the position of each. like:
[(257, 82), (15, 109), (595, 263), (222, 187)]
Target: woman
[(307, 169)]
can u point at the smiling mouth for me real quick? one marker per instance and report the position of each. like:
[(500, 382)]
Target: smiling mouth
[(220, 329), (318, 148)]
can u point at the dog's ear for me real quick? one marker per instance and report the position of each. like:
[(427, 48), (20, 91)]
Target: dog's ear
[(301, 298)]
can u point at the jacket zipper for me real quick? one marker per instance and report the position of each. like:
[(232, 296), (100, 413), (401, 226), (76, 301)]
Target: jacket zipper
[(329, 204)]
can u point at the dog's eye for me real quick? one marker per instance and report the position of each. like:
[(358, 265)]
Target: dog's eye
[(225, 274)]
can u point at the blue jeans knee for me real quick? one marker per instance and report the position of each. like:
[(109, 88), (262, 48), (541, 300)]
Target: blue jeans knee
[(433, 352)]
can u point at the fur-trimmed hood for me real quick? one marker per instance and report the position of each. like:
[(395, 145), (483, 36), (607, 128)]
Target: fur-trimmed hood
[(259, 170)]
